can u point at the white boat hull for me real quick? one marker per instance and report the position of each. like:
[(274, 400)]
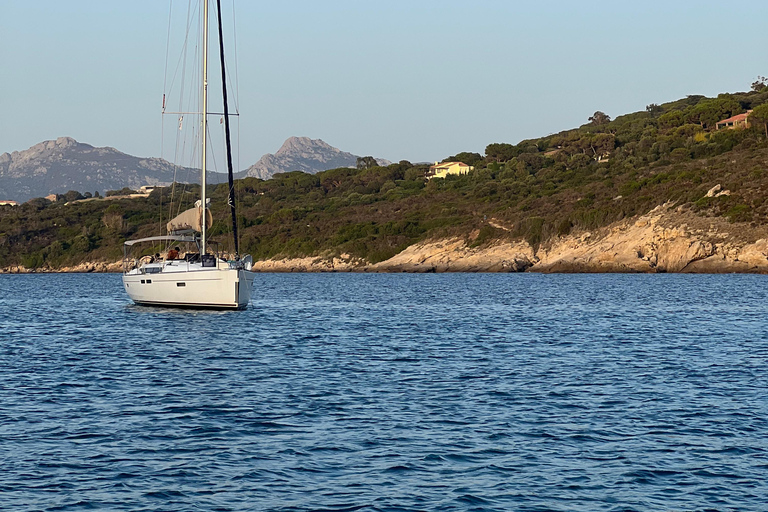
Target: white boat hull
[(208, 288)]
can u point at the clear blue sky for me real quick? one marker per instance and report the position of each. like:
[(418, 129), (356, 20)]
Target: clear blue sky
[(402, 79)]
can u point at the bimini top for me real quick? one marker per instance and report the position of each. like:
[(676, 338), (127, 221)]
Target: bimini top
[(164, 238)]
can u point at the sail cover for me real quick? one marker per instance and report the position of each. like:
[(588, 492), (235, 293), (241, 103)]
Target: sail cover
[(190, 220)]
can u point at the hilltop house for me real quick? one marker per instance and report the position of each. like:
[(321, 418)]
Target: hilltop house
[(8, 202), (442, 170), (737, 121)]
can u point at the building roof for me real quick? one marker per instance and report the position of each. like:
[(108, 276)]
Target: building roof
[(447, 164), (738, 117)]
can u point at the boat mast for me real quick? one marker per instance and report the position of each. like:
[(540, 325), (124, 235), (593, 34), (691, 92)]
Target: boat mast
[(231, 199), (204, 126)]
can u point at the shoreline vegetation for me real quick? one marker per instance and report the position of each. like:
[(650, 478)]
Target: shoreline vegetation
[(660, 190), (667, 239)]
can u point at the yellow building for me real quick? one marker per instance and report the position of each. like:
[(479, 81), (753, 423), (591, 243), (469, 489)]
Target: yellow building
[(442, 170)]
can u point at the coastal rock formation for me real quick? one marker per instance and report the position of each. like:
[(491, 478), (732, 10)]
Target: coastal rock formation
[(310, 264), (455, 255), (449, 255), (87, 267), (667, 239), (100, 266)]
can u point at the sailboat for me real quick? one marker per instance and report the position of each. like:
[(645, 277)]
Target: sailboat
[(203, 277)]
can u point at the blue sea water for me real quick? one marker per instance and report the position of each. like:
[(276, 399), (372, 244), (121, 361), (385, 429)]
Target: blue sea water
[(342, 392)]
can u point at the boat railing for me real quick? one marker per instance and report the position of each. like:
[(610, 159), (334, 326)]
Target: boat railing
[(155, 264), (158, 267)]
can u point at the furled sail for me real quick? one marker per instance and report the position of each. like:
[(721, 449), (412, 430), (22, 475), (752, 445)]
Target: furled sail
[(190, 220)]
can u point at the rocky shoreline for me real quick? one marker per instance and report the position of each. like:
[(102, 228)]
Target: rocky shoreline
[(666, 239), (87, 267)]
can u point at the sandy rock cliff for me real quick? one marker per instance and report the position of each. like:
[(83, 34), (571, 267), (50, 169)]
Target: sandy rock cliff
[(666, 239)]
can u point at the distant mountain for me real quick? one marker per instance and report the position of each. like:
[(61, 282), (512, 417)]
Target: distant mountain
[(57, 166), (303, 154)]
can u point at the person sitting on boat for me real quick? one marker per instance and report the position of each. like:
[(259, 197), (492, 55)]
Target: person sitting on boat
[(173, 254)]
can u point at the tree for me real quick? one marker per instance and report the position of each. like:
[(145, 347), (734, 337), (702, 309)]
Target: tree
[(709, 111), (415, 173), (122, 192), (501, 152), (654, 109), (366, 162), (672, 119), (601, 145), (466, 157), (72, 195), (38, 203), (600, 118), (760, 115), (760, 84)]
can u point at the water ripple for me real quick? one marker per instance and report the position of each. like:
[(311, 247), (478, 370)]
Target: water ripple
[(387, 393)]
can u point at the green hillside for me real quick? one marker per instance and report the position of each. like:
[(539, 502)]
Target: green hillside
[(582, 178)]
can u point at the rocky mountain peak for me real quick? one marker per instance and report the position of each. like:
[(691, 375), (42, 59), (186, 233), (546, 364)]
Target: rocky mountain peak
[(304, 145), (56, 166), (52, 145), (46, 149), (302, 154), (64, 142)]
